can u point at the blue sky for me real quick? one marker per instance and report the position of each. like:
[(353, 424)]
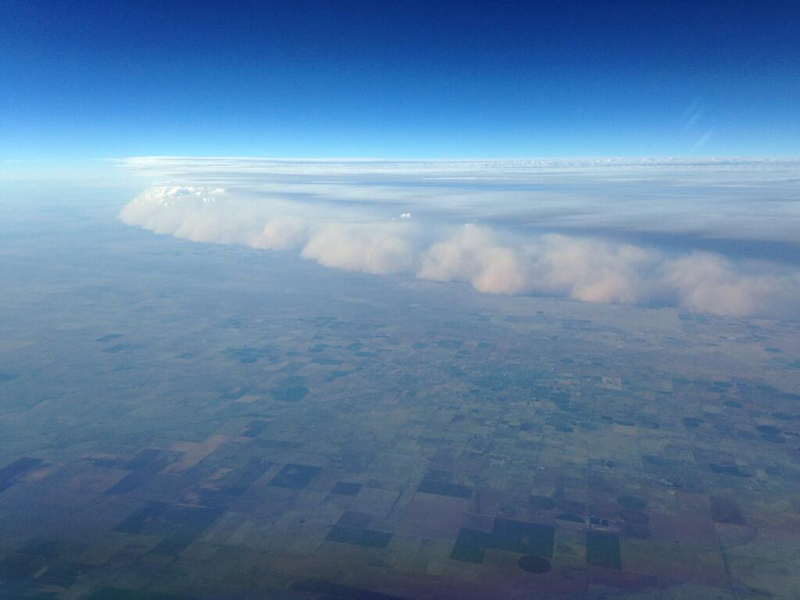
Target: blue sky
[(89, 80)]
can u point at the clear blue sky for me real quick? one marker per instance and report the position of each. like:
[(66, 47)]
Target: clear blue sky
[(398, 78)]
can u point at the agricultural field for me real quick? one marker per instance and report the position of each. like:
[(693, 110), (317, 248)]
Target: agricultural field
[(181, 420)]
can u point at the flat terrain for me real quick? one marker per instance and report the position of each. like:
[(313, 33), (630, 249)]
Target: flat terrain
[(181, 420)]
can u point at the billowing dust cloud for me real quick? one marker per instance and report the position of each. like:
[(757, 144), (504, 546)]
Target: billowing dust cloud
[(490, 259)]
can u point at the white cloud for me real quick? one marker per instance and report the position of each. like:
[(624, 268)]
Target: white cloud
[(347, 219), (709, 198)]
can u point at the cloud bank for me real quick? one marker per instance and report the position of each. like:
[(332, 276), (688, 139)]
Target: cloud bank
[(741, 200), (380, 237)]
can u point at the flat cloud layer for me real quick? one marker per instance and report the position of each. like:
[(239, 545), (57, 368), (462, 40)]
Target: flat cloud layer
[(524, 227)]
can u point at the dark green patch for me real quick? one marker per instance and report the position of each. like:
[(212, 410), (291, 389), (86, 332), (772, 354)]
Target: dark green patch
[(142, 459), (235, 393), (352, 518), (247, 354), (533, 564), (569, 517), (109, 337), (784, 416), (542, 502), (560, 399), (439, 475), (329, 590), (279, 444), (450, 344), (726, 510), (144, 519), (324, 360), (639, 532), (513, 536), (634, 517), (345, 488), (602, 550), (519, 536), (442, 488), (470, 545), (10, 473), (145, 465), (359, 537), (254, 428), (631, 503), (729, 470), (767, 429), (109, 593), (295, 477), (181, 525), (289, 393), (233, 485)]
